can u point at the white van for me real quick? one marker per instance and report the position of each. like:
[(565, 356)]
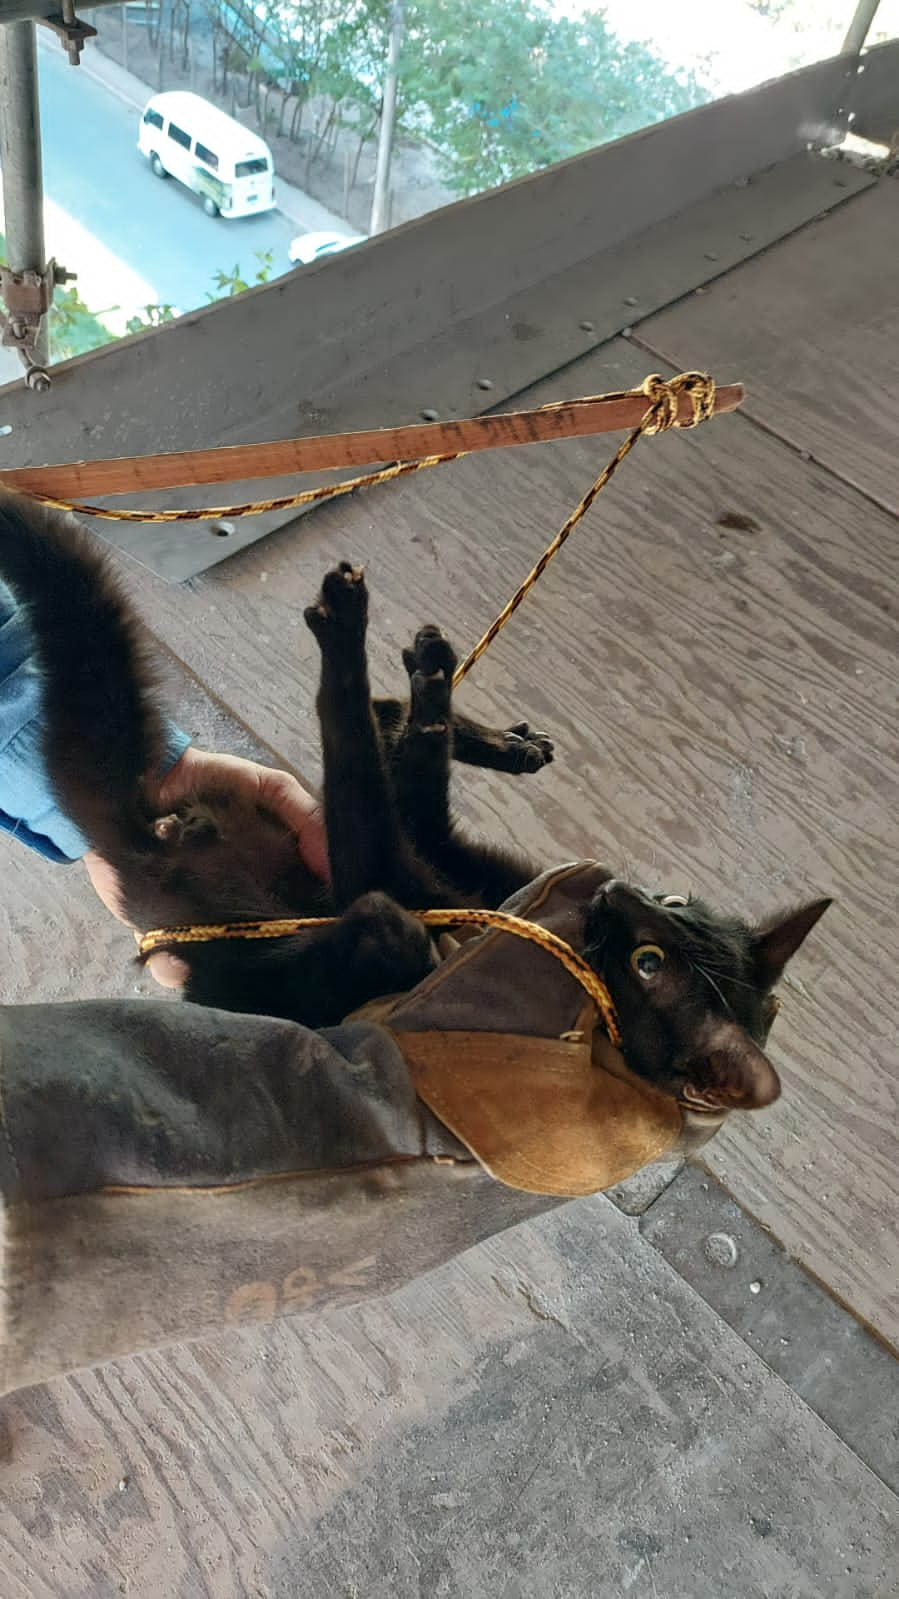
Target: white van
[(185, 137)]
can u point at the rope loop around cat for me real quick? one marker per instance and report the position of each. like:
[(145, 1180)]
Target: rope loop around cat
[(500, 921)]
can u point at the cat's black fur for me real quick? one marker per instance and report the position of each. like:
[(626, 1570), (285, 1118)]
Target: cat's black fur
[(694, 1011)]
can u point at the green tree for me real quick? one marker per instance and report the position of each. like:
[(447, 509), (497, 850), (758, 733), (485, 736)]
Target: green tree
[(227, 284), (75, 329), (508, 86), (326, 51)]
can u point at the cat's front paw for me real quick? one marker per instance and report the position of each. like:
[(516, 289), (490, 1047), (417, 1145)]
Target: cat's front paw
[(527, 751), (341, 610)]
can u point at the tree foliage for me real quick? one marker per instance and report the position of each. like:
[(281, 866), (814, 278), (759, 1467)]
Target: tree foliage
[(497, 87), (509, 86)]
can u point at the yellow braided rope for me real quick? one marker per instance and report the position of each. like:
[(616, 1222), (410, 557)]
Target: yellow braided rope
[(660, 414), (501, 921), (284, 502)]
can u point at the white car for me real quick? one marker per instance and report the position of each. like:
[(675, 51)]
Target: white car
[(308, 247)]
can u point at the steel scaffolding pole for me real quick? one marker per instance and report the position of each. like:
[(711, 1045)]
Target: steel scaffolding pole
[(20, 154), (859, 27)]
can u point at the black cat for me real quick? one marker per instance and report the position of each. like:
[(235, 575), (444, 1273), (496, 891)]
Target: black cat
[(692, 989)]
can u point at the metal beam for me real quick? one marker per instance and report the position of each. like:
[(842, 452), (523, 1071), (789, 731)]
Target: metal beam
[(859, 27), (38, 10)]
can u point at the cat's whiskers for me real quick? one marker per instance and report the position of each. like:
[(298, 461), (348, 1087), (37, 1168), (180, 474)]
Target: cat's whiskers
[(711, 981), (719, 971)]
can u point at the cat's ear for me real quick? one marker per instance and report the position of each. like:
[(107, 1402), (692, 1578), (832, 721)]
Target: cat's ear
[(729, 1071), (777, 941)]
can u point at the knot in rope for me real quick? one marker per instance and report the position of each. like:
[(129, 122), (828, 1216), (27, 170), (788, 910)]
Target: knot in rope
[(665, 394)]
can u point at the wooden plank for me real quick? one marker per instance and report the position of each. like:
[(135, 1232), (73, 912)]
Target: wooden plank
[(555, 1414), (813, 328), (578, 418), (404, 323)]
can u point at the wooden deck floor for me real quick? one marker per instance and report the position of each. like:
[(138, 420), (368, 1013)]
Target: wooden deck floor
[(723, 703)]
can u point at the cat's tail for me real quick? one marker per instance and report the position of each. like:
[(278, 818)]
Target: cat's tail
[(103, 728)]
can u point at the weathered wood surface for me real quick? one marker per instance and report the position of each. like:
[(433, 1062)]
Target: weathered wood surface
[(424, 317), (813, 328), (724, 709), (557, 1414)]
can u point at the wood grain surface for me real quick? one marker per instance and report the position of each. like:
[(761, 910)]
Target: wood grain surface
[(556, 1414), (578, 418), (815, 325)]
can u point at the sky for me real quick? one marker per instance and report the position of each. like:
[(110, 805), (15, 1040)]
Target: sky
[(726, 42)]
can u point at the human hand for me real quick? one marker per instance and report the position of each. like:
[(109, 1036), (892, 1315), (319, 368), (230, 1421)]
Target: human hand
[(278, 792)]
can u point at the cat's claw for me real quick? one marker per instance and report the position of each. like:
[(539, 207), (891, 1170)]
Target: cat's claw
[(529, 751)]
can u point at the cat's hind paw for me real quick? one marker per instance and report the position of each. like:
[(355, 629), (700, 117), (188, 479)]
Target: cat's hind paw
[(527, 750), (430, 663), (431, 654)]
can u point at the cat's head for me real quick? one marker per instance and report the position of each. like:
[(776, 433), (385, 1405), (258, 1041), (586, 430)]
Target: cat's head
[(693, 991)]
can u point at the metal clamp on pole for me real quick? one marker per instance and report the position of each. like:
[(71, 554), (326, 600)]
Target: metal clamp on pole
[(28, 296), (70, 30)]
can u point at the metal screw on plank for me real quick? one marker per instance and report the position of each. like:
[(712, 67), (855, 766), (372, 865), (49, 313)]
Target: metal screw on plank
[(720, 1250)]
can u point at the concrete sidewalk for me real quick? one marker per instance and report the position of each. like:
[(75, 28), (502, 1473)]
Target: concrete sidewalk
[(308, 214)]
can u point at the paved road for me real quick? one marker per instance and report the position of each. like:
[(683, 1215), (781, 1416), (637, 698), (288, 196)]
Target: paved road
[(131, 237)]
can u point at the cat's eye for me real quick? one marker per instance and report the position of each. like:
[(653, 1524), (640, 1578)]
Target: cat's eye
[(647, 960)]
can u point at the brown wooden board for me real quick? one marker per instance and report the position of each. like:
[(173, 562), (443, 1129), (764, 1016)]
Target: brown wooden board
[(813, 328)]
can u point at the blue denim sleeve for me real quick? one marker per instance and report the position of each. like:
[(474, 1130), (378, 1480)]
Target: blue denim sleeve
[(27, 808)]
